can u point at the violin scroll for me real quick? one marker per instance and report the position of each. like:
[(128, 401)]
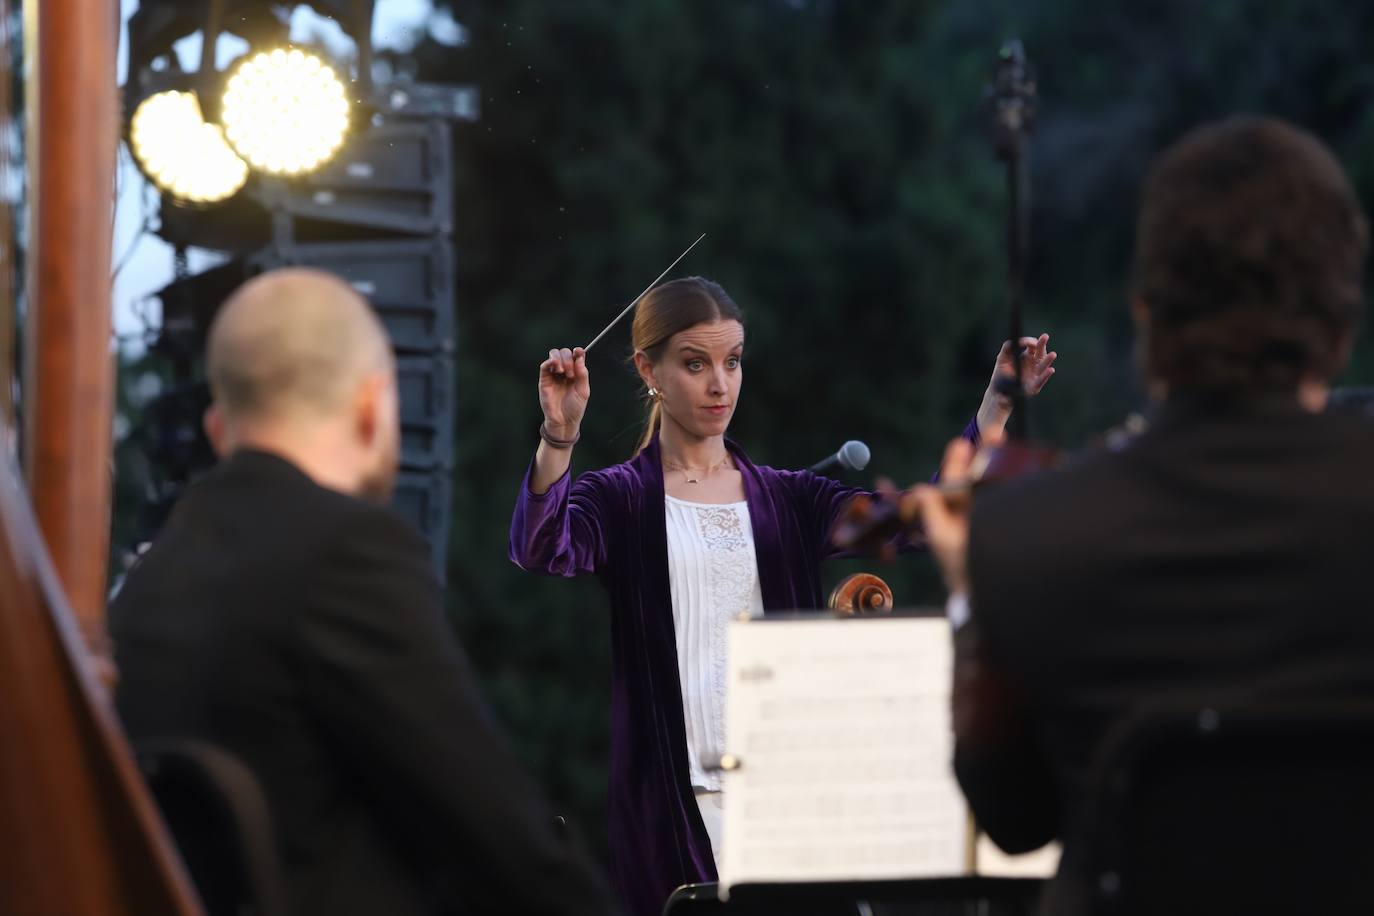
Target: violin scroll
[(861, 593)]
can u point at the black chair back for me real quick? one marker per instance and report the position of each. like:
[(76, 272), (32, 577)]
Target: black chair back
[(695, 900), (1213, 810), (971, 896), (219, 818)]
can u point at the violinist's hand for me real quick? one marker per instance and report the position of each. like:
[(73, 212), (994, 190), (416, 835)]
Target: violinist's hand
[(1037, 367), (564, 389), (946, 528)]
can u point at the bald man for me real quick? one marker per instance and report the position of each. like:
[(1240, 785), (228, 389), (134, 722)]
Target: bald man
[(285, 615)]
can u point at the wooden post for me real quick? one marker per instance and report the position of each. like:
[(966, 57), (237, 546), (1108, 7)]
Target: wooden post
[(8, 269), (69, 382), (82, 832)]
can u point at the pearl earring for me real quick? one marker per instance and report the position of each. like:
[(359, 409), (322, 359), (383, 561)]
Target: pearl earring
[(653, 393)]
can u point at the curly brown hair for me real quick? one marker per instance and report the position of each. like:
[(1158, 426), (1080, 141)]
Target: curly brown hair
[(1249, 260)]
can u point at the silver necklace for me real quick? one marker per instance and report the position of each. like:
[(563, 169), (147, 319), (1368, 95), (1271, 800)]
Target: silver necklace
[(687, 472)]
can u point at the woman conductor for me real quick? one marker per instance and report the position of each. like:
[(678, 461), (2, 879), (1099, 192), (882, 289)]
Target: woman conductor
[(685, 536)]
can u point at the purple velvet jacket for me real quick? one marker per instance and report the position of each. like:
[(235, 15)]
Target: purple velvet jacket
[(611, 522)]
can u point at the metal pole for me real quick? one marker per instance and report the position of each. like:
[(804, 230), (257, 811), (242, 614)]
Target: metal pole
[(1013, 98)]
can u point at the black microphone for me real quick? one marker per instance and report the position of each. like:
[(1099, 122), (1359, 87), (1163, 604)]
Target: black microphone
[(853, 456)]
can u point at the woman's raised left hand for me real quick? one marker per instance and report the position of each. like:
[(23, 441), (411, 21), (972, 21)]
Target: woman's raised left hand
[(1037, 363), (1037, 368)]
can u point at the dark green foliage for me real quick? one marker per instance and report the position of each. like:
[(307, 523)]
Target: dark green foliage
[(835, 153), (852, 208)]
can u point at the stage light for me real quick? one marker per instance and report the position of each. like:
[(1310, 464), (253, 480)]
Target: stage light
[(285, 111), (182, 154)]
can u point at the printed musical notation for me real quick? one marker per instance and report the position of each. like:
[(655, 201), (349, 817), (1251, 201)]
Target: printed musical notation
[(842, 731)]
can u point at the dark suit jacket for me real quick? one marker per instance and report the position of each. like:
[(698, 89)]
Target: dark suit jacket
[(1221, 557), (302, 630)]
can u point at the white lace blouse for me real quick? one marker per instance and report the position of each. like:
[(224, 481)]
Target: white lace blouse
[(713, 578)]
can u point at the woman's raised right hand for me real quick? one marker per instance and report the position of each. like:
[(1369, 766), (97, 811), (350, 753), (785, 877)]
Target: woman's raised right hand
[(564, 389)]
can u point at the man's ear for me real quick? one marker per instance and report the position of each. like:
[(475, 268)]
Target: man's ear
[(367, 408), (645, 368), (1140, 317), (213, 424)]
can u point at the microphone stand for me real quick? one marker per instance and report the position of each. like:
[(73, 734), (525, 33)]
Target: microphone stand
[(1012, 96)]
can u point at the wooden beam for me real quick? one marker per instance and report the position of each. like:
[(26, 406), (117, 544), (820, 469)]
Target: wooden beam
[(69, 381)]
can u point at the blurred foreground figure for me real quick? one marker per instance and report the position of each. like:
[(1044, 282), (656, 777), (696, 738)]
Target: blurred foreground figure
[(1220, 557), (286, 616)]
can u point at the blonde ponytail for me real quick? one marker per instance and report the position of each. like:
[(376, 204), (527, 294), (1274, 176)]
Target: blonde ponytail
[(651, 422)]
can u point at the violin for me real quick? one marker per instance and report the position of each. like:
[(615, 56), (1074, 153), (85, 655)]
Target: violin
[(869, 524)]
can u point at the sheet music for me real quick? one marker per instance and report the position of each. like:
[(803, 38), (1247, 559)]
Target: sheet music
[(993, 862), (842, 728)]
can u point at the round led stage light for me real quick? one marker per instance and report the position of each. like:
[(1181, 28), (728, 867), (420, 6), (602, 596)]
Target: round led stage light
[(285, 111), (182, 154)]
